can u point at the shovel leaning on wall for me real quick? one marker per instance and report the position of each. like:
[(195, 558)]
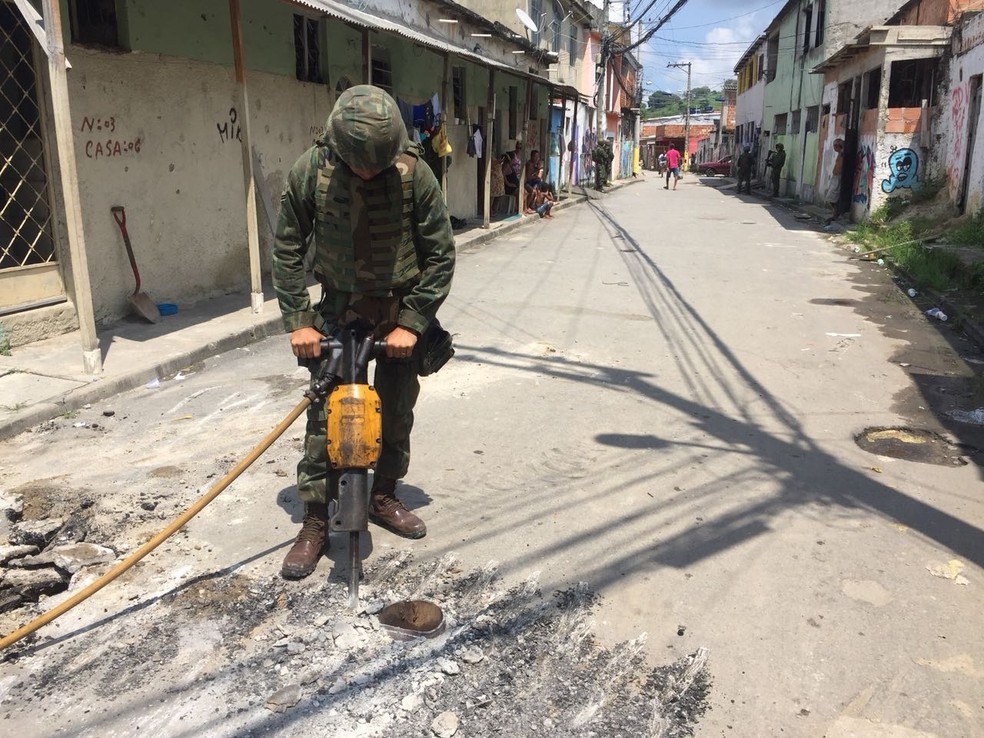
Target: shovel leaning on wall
[(140, 301)]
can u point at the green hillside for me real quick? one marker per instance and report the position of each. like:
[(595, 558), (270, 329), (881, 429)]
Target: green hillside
[(662, 103)]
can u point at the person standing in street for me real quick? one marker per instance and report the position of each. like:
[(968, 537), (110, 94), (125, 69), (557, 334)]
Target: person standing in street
[(777, 160), (602, 156), (672, 167), (745, 164), (384, 255), (834, 188)]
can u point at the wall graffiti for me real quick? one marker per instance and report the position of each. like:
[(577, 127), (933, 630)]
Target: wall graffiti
[(588, 143), (101, 148), (958, 114), (903, 167), (864, 175), (230, 130)]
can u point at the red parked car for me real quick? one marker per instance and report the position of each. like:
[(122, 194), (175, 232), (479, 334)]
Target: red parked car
[(710, 168)]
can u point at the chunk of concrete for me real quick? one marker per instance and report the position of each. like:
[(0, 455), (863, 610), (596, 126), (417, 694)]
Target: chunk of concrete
[(32, 583), (35, 532)]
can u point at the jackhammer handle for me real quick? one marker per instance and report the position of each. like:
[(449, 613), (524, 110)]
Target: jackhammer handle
[(378, 349)]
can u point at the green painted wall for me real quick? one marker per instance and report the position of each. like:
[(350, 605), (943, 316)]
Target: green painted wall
[(793, 88), (198, 30)]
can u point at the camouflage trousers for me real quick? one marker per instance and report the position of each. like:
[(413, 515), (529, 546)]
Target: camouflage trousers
[(398, 386)]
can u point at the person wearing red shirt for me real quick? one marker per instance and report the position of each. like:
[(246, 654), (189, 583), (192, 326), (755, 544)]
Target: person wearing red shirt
[(672, 167)]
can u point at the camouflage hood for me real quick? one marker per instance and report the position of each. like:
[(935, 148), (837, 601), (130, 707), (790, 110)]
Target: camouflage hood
[(365, 128)]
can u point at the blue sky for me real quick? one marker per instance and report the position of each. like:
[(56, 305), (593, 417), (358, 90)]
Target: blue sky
[(711, 34)]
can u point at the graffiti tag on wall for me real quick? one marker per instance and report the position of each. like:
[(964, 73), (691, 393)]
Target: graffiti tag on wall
[(588, 143), (958, 113), (106, 147), (230, 130), (864, 175), (903, 167)]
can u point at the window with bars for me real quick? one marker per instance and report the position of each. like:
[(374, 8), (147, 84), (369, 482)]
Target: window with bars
[(772, 50), (807, 28), (872, 88), (558, 21), (94, 22), (794, 124), (573, 51), (382, 72), (912, 81), (779, 128), (820, 22), (25, 215), (813, 119), (307, 49), (536, 13)]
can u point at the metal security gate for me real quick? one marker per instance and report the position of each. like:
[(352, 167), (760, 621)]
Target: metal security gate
[(29, 274)]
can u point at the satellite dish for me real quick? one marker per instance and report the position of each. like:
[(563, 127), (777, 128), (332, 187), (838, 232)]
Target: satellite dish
[(526, 20)]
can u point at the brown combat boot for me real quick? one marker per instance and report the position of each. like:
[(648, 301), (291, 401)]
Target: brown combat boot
[(311, 542), (387, 511)]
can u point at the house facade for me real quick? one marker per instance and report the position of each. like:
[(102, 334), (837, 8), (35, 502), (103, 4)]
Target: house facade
[(802, 35), (197, 154), (750, 100), (961, 147), (905, 98), (561, 49)]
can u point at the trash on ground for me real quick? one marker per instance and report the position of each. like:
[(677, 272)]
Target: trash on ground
[(844, 335), (912, 292), (950, 570), (936, 313), (154, 383)]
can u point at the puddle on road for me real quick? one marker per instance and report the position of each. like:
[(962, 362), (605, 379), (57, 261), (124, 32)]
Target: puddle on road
[(910, 444)]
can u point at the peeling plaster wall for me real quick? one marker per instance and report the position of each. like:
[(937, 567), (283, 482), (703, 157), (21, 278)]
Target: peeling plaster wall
[(158, 135), (958, 116)]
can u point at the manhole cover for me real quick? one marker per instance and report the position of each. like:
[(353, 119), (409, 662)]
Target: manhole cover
[(910, 444)]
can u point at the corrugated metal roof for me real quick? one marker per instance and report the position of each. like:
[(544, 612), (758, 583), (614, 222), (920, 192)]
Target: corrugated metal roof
[(367, 20)]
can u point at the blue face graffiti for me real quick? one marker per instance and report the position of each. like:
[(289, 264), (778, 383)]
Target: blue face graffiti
[(903, 165)]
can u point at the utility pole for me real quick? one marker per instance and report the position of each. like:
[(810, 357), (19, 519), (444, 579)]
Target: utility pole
[(602, 72), (686, 117)]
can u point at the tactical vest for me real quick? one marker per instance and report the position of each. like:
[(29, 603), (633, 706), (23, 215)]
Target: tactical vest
[(363, 231)]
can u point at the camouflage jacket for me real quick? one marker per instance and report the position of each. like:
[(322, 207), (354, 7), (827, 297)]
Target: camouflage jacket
[(433, 240)]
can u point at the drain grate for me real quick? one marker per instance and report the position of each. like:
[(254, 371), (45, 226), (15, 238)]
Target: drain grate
[(910, 444)]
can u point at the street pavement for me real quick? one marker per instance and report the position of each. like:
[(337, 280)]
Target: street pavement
[(656, 393), (46, 379)]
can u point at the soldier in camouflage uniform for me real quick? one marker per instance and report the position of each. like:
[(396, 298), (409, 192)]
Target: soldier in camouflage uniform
[(384, 254), (602, 157)]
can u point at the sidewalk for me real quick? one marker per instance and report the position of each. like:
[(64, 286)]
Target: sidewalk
[(45, 379)]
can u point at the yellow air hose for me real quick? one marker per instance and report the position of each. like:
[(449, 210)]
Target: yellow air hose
[(157, 540)]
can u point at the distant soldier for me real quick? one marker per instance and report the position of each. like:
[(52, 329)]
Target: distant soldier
[(776, 160), (745, 164), (602, 157)]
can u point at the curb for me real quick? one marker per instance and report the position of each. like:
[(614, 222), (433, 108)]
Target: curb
[(101, 389)]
